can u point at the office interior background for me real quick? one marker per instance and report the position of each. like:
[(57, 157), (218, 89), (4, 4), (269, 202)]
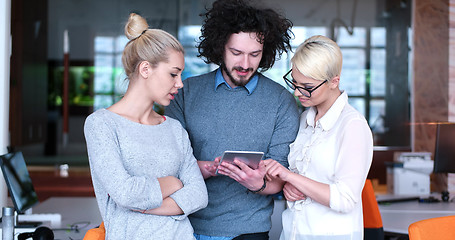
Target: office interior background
[(398, 70)]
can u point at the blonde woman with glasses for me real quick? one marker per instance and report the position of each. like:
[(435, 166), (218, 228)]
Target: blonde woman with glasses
[(331, 156)]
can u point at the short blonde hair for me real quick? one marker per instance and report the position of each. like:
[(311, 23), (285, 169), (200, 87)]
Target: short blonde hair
[(146, 44), (319, 58)]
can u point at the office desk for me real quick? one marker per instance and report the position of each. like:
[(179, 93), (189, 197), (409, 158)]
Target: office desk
[(73, 210), (396, 217), (83, 209)]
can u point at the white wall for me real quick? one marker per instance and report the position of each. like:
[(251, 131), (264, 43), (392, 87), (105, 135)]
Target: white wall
[(5, 53)]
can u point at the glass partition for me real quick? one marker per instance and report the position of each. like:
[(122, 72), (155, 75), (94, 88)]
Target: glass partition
[(97, 79)]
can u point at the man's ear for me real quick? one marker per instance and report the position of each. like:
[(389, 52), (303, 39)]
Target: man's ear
[(145, 69)]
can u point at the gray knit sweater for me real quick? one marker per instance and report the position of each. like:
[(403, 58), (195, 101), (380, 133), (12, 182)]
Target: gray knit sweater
[(230, 119), (126, 158)]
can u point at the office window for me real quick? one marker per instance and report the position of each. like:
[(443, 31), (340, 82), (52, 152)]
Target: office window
[(109, 80), (188, 37), (353, 74), (283, 65)]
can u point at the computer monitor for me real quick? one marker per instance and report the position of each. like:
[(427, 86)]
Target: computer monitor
[(18, 180), (444, 154)]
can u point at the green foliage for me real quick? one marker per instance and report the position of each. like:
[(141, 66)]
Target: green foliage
[(80, 86)]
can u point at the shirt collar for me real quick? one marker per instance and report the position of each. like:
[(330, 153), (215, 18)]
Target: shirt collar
[(331, 116), (250, 86)]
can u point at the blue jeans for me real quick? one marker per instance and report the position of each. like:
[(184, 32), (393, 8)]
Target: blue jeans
[(204, 237)]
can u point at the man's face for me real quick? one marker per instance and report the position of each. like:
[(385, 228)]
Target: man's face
[(242, 55)]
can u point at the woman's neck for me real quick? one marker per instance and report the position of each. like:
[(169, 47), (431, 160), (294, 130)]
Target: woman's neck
[(137, 108), (324, 107)]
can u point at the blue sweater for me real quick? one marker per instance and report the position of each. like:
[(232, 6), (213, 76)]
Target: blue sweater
[(230, 119)]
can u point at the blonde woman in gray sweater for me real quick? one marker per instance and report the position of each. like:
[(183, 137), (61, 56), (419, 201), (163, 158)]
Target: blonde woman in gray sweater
[(145, 176)]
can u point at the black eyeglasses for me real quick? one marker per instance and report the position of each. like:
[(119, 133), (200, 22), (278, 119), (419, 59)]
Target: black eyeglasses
[(304, 91)]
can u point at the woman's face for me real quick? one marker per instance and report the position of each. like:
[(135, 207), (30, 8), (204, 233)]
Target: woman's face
[(318, 96), (166, 78)]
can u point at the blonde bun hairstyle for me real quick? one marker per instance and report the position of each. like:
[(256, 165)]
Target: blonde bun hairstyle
[(146, 44), (319, 58)]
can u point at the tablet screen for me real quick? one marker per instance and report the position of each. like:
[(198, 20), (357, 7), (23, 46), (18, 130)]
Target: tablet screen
[(250, 158)]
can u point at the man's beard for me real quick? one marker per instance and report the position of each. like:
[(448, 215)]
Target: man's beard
[(237, 82)]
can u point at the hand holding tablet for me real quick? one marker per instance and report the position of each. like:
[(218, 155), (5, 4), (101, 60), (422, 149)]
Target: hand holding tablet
[(250, 158)]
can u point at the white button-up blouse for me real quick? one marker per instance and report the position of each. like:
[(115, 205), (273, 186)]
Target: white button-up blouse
[(336, 150)]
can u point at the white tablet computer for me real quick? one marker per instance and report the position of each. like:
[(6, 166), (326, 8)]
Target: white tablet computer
[(250, 158)]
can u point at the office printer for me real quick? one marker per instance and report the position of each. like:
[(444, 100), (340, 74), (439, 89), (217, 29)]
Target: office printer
[(410, 173)]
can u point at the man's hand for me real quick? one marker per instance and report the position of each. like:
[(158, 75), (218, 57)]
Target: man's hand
[(291, 193), (243, 174), (208, 168)]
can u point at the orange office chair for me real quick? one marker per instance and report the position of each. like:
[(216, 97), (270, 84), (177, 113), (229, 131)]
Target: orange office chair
[(441, 228), (97, 233), (372, 221)]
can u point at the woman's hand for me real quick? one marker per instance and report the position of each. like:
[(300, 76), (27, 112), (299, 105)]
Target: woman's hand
[(291, 193), (168, 208), (275, 169), (169, 185)]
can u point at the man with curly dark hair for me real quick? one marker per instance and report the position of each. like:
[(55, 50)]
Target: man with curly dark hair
[(237, 108)]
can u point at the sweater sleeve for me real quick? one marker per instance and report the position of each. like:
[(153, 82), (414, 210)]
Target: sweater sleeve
[(193, 196), (285, 130), (352, 165), (128, 191)]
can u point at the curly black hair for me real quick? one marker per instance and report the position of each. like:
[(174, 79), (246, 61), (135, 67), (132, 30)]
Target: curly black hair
[(234, 16)]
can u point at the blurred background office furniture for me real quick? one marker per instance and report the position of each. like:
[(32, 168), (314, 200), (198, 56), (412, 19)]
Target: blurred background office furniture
[(41, 233), (98, 233), (409, 173), (444, 158), (79, 214), (444, 153), (440, 228), (398, 216), (52, 181), (372, 221), (17, 178)]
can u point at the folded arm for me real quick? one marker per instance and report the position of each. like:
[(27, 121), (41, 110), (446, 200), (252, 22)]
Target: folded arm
[(169, 207)]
